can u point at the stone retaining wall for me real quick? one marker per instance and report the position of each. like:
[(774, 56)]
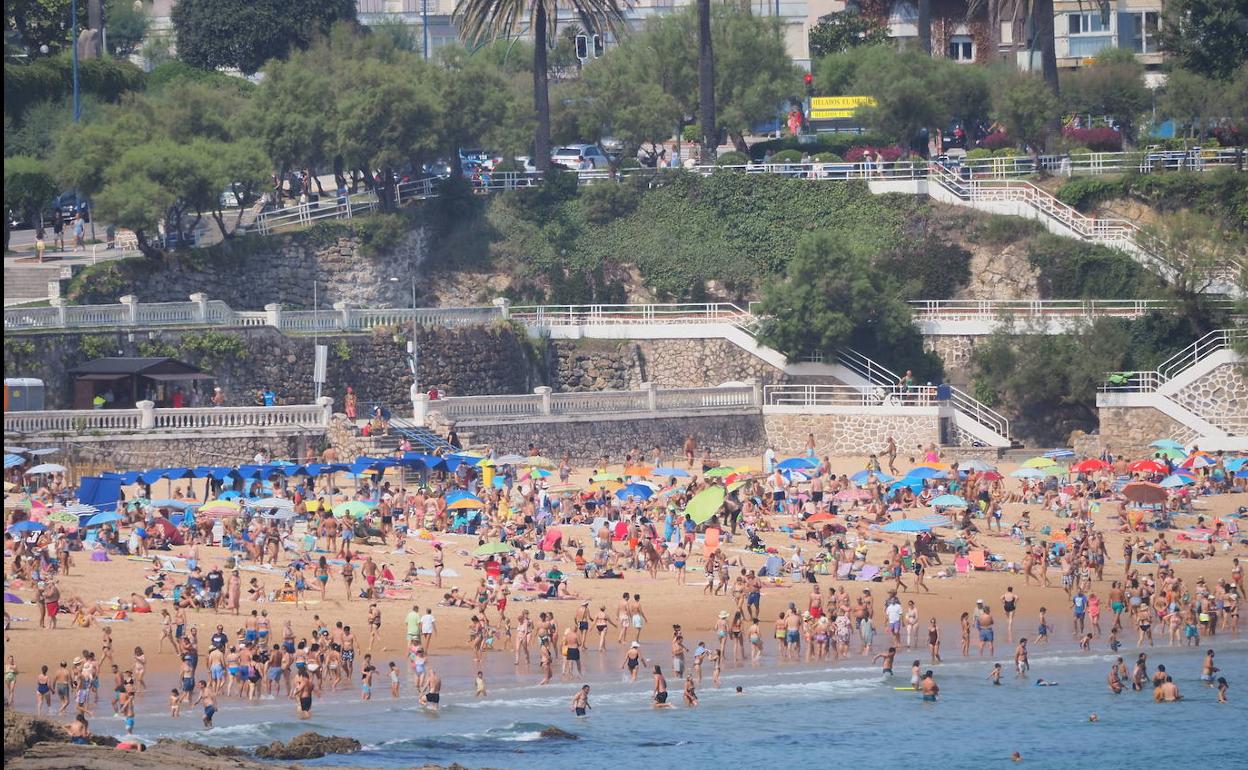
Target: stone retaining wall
[(91, 454), (279, 268), (1127, 430), (482, 360), (1221, 396), (587, 440), (851, 434), (593, 364)]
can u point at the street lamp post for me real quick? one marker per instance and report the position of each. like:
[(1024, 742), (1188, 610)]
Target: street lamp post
[(424, 25), (413, 350)]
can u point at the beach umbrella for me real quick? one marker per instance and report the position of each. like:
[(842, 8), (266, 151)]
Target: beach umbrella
[(106, 517), (537, 461), (821, 516), (493, 548), (638, 470), (1028, 473), (948, 501), (456, 495), (43, 452), (46, 468), (463, 504), (27, 526), (667, 471), (923, 472), (12, 598), (975, 464), (798, 463), (935, 466), (74, 510), (64, 518), (864, 477), (1167, 443), (168, 502), (357, 508), (12, 461), (993, 475), (705, 504), (268, 503), (1039, 462), (906, 525), (560, 488), (719, 472), (1199, 460), (1174, 480), (634, 490), (1059, 454), (1145, 493), (230, 495), (511, 459), (1091, 465), (733, 486), (278, 514), (1242, 473), (913, 484), (1232, 465), (1171, 453), (791, 474), (606, 477), (17, 450), (1147, 466)]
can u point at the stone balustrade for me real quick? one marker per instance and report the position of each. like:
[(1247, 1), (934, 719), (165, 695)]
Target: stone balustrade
[(145, 417)]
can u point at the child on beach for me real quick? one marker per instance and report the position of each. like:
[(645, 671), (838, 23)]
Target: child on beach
[(1042, 630), (1222, 688), (995, 674), (175, 703), (394, 680), (480, 684)]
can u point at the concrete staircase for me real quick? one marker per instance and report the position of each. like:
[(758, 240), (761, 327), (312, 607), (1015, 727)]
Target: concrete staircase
[(1202, 388), (27, 282)]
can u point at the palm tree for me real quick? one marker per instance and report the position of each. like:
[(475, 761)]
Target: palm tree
[(706, 83), (481, 20)]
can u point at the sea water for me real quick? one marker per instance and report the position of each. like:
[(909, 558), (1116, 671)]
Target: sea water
[(789, 716)]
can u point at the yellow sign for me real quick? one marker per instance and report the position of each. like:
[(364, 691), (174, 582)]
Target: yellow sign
[(838, 103), (830, 114)]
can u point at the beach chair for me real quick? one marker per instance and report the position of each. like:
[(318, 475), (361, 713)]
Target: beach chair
[(978, 559), (962, 565), (868, 574)]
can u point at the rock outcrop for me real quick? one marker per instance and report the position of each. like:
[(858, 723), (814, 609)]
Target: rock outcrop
[(308, 746)]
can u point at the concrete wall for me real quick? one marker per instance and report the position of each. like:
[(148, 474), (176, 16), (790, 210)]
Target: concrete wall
[(1221, 397), (596, 364), (853, 434), (464, 361), (1129, 430)]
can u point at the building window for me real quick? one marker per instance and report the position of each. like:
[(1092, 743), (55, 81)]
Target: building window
[(1087, 23), (962, 48), (1138, 31), (1007, 32)]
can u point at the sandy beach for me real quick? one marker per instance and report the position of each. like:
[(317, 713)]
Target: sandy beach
[(665, 602)]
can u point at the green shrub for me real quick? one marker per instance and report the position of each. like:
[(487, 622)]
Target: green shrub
[(837, 143), (607, 202), (732, 158), (1005, 152), (691, 134), (97, 346), (828, 157), (786, 156), (173, 72), (1086, 192), (1071, 269), (212, 348), (52, 77), (978, 153), (379, 233), (630, 163), (999, 230)]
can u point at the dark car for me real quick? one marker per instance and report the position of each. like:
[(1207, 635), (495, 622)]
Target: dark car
[(71, 203)]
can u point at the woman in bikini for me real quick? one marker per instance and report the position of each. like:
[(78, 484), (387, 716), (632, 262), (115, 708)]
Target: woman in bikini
[(601, 621), (322, 575)]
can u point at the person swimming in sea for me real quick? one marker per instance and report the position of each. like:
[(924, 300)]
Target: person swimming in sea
[(995, 674)]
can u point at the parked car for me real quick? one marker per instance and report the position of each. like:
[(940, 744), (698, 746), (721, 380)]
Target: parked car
[(569, 156), (71, 203)]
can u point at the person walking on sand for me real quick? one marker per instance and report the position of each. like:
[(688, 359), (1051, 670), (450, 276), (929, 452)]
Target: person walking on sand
[(638, 616)]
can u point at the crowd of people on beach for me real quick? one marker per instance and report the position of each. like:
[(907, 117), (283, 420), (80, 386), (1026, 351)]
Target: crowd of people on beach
[(536, 533)]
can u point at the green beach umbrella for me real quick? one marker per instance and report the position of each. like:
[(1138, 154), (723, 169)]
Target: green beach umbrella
[(705, 504), (492, 548), (719, 471), (357, 508)]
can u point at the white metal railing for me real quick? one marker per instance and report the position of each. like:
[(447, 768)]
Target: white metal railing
[(94, 315), (991, 309), (848, 395), (867, 368), (593, 315), (1150, 381), (158, 313), (89, 421), (979, 411)]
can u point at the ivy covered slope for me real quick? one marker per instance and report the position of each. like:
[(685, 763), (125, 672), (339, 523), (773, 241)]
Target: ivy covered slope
[(680, 230)]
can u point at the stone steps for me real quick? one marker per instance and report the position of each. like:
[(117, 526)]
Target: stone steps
[(29, 281)]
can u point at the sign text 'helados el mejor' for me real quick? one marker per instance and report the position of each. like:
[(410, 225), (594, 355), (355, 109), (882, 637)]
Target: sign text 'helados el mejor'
[(833, 107)]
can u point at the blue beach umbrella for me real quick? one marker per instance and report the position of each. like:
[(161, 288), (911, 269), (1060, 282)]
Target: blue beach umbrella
[(906, 525), (1167, 443), (107, 517), (27, 526), (864, 477), (640, 491), (948, 501), (1059, 454), (798, 464), (926, 473), (1028, 473), (664, 472), (914, 485), (1175, 480)]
